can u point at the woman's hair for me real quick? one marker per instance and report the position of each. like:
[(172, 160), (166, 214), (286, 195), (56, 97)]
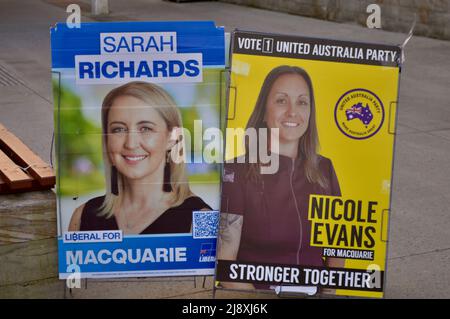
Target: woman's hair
[(308, 143), (153, 96)]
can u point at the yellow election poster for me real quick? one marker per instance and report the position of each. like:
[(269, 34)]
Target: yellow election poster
[(306, 183)]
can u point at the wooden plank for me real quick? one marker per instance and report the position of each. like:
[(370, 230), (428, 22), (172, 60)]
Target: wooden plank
[(3, 186), (28, 244), (28, 261), (28, 216), (18, 236), (35, 187), (25, 157), (12, 174), (52, 288)]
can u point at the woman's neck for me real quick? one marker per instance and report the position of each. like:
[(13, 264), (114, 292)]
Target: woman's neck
[(145, 192), (288, 149)]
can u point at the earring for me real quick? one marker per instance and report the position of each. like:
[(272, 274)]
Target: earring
[(167, 186), (114, 183)]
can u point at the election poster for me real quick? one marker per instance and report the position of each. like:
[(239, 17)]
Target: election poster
[(306, 186), (138, 183)]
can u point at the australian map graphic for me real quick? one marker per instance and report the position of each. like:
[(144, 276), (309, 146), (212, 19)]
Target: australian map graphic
[(358, 111)]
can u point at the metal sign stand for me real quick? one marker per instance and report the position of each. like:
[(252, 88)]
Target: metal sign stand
[(69, 292)]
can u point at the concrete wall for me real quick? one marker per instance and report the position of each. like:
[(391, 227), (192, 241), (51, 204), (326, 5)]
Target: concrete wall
[(433, 16)]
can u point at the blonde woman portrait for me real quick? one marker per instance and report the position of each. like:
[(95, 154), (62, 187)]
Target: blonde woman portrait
[(147, 192)]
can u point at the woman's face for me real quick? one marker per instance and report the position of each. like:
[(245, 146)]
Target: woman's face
[(288, 107), (138, 138)]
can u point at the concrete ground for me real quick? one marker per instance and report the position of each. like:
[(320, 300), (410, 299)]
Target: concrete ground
[(419, 246)]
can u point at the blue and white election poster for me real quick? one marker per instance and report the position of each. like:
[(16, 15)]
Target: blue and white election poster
[(138, 108)]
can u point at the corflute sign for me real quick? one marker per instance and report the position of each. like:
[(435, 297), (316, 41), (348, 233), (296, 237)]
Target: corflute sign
[(126, 99), (313, 218)]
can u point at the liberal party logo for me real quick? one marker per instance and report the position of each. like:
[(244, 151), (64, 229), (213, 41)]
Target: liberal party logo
[(359, 114), (207, 252)]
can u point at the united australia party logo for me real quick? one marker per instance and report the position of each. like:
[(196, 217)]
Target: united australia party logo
[(359, 114)]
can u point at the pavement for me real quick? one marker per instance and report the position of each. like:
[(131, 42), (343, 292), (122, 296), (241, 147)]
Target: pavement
[(419, 236)]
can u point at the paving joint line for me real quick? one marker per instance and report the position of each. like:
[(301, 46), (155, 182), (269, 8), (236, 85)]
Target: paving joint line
[(22, 83), (188, 294), (420, 254)]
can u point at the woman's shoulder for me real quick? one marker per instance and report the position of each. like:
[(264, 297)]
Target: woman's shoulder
[(84, 212), (75, 220), (324, 162), (90, 218), (177, 219), (327, 168), (193, 203), (233, 171), (93, 205)]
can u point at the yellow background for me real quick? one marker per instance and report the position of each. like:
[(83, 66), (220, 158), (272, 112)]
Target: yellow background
[(364, 166)]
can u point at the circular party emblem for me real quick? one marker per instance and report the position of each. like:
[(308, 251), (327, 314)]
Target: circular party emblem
[(359, 114)]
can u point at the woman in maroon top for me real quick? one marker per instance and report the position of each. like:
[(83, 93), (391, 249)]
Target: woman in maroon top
[(268, 213)]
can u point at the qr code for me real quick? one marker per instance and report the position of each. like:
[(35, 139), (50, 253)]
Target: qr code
[(205, 224)]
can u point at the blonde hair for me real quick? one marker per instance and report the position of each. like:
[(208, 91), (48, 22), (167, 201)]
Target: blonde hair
[(166, 107)]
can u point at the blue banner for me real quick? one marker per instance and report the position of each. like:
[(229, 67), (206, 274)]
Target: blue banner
[(192, 37), (138, 253)]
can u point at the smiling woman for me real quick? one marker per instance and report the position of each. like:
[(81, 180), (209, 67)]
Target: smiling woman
[(147, 192), (268, 213)]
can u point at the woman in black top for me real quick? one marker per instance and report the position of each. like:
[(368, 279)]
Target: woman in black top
[(267, 215), (147, 190), (174, 220)]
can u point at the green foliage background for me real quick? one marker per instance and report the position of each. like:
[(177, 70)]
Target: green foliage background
[(76, 136), (80, 138)]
